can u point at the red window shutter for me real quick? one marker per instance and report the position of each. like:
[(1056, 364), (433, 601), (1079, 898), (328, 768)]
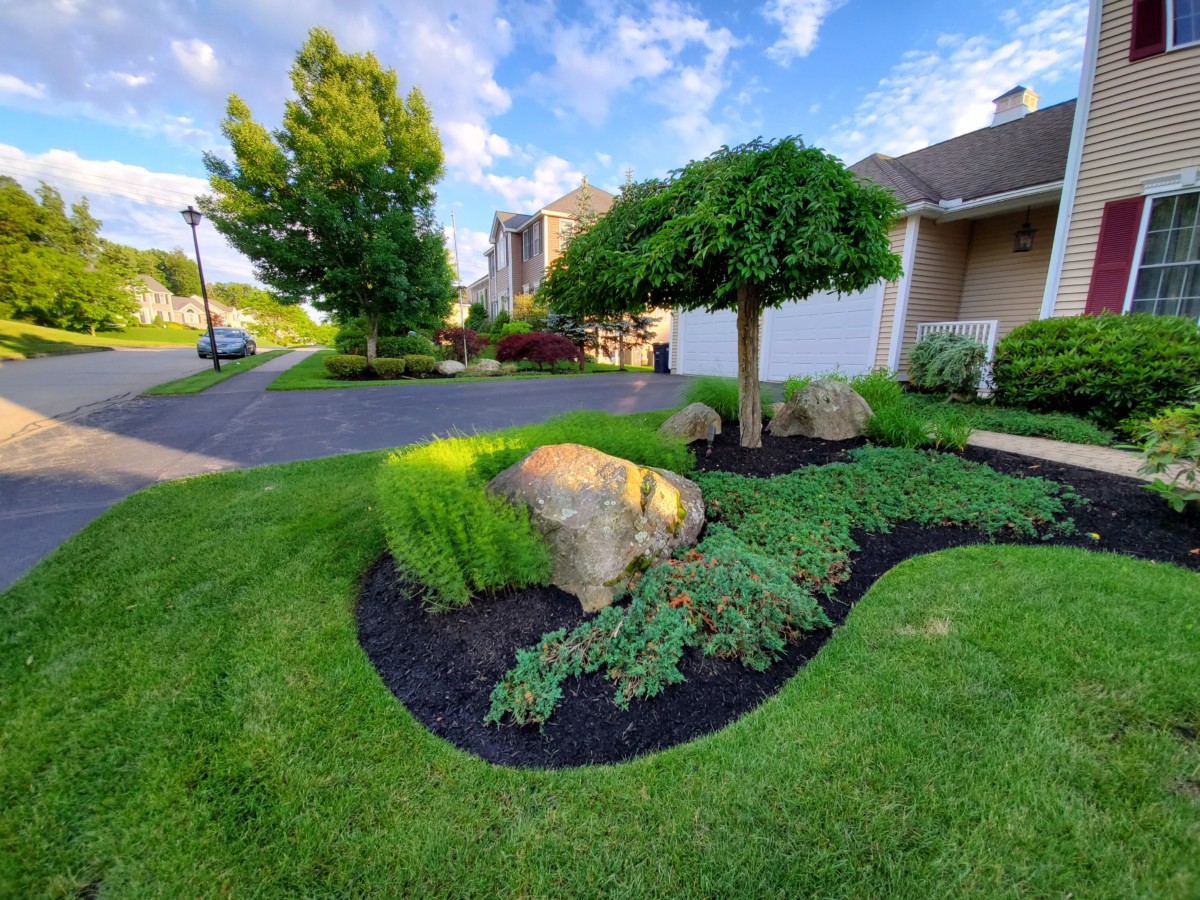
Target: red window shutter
[(1114, 255), (1149, 29)]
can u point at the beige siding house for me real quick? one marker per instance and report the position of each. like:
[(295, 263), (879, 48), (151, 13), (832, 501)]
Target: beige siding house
[(1130, 239), (155, 301)]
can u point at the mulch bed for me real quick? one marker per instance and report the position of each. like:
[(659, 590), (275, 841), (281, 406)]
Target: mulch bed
[(443, 666)]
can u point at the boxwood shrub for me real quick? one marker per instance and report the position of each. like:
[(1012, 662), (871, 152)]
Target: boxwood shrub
[(346, 366), (419, 363), (1116, 370), (388, 367)]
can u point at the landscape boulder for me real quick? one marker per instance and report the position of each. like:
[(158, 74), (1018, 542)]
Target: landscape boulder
[(449, 367), (487, 365), (692, 422), (829, 410), (601, 517)]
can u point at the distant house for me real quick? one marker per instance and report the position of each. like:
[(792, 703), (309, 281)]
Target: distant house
[(155, 301)]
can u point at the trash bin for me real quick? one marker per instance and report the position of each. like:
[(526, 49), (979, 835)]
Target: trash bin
[(662, 359)]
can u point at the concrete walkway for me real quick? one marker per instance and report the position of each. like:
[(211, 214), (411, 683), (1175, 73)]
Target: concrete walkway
[(1103, 459)]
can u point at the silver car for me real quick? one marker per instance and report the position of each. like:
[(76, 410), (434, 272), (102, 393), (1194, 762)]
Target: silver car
[(230, 342)]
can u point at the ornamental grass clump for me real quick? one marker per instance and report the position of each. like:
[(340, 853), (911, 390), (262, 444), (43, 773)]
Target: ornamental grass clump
[(720, 394)]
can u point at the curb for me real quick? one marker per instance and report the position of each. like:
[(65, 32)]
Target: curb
[(70, 352)]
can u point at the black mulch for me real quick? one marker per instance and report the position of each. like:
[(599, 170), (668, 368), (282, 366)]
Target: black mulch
[(443, 666)]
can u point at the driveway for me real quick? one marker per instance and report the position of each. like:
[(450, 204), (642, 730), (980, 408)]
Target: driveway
[(40, 393), (55, 481)]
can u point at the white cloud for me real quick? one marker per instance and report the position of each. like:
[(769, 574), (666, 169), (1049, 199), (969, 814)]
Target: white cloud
[(197, 59), (471, 246), (552, 177), (11, 84), (798, 21), (937, 94), (128, 79), (605, 159)]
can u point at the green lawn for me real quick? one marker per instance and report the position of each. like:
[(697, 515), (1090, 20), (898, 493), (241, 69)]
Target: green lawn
[(311, 375), (19, 340), (185, 710), (194, 384)]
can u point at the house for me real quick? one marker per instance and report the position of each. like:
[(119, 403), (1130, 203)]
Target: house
[(965, 200), (1130, 237), (1084, 206), (155, 301)]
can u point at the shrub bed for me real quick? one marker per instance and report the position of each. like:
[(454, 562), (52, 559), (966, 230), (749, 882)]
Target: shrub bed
[(419, 363), (452, 341), (388, 368), (346, 366)]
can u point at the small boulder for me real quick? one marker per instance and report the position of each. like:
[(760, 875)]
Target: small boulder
[(602, 518), (449, 367), (829, 410), (487, 365), (692, 422)]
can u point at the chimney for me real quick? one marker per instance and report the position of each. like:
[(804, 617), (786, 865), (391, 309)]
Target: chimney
[(1016, 104)]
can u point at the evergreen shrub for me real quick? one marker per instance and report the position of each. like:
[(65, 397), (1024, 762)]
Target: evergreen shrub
[(346, 366), (388, 368), (1117, 371), (944, 362), (516, 327), (419, 363)]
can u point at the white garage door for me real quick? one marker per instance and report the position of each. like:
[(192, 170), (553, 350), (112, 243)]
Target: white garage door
[(800, 338)]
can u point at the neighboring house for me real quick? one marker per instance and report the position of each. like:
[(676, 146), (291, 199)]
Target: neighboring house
[(477, 292), (1130, 234), (155, 301), (523, 245), (1110, 185), (965, 201)]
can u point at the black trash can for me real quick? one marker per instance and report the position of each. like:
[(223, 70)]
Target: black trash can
[(662, 359)]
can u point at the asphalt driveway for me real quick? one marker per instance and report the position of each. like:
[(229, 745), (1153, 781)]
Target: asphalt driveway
[(55, 481)]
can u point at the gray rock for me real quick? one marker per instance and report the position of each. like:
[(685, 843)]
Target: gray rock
[(829, 410), (449, 367), (692, 422), (602, 518), (487, 365)]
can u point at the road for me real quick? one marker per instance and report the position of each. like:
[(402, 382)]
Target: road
[(36, 394), (55, 481)]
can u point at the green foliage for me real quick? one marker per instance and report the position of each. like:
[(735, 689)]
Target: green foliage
[(498, 323), (951, 431), (721, 395), (616, 333), (448, 533), (899, 425), (1169, 440), (747, 228), (337, 205), (945, 362), (515, 327), (986, 415), (454, 342), (419, 363), (275, 319), (878, 387), (747, 587), (387, 367), (1115, 370), (793, 383), (477, 317), (174, 268), (406, 345), (345, 366), (530, 309)]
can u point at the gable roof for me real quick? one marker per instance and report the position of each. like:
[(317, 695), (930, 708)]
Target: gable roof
[(602, 201), (995, 160), (153, 285)]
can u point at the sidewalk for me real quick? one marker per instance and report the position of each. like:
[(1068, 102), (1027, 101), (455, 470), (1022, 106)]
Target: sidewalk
[(1103, 459)]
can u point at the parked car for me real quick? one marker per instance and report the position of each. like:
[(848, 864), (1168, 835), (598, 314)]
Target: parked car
[(230, 342)]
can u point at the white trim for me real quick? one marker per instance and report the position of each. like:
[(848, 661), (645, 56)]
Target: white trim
[(1183, 181), (911, 230), (952, 210), (1137, 255), (1171, 45), (1066, 205), (675, 339), (880, 290)]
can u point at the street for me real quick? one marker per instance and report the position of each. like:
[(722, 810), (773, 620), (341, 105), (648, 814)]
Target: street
[(53, 481)]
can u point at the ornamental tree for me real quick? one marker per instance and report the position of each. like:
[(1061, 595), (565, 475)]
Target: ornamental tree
[(747, 228), (336, 207)]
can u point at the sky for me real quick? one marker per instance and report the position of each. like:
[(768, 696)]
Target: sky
[(118, 99)]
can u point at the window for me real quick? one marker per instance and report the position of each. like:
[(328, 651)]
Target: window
[(481, 297), (1186, 22), (1168, 279), (1161, 25), (531, 242), (502, 252)]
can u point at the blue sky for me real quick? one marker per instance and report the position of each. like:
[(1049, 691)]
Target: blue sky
[(116, 99)]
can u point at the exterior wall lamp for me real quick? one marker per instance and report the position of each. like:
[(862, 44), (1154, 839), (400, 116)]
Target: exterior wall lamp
[(1023, 237)]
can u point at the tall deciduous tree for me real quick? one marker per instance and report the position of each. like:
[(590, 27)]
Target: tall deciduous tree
[(747, 228), (336, 207)]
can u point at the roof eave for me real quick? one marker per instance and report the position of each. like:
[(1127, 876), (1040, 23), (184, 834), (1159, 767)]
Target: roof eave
[(991, 205)]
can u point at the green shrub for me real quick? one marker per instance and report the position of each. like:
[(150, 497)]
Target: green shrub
[(477, 317), (951, 431), (1115, 370), (516, 327), (399, 346), (945, 362), (1173, 439), (345, 366), (388, 368), (419, 363), (878, 387), (502, 318), (721, 394), (898, 425), (793, 383)]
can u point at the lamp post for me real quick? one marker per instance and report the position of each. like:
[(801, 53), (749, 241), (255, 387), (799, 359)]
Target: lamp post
[(193, 217)]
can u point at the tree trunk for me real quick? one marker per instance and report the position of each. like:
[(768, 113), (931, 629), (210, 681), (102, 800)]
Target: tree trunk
[(749, 310), (92, 330), (372, 336)]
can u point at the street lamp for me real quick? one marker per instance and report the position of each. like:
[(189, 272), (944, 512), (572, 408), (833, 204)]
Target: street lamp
[(193, 217)]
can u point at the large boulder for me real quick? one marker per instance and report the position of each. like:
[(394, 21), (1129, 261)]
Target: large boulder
[(449, 367), (829, 410), (692, 422), (602, 518), (487, 365)]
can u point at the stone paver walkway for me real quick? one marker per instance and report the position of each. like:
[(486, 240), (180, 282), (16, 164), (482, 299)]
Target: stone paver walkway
[(1103, 459)]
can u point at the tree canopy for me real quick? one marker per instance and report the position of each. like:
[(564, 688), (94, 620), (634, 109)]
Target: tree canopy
[(336, 206), (747, 228)]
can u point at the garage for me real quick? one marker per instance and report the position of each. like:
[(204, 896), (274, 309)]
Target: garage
[(800, 338)]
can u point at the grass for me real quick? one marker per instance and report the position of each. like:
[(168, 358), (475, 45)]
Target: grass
[(194, 384), (988, 416), (186, 710), (311, 375), (20, 340)]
